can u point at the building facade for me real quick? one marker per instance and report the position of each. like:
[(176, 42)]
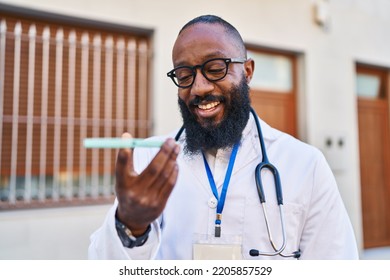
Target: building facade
[(323, 71)]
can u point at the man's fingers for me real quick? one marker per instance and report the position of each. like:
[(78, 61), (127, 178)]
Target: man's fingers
[(166, 178), (124, 162), (130, 166), (155, 173), (166, 188), (142, 198)]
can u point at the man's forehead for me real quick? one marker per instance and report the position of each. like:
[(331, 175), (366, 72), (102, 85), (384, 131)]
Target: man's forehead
[(203, 40), (202, 30)]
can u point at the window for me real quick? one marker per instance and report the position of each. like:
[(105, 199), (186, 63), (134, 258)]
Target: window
[(273, 72), (370, 82), (61, 82)]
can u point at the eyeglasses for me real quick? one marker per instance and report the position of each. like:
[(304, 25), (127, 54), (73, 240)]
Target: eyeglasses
[(213, 70)]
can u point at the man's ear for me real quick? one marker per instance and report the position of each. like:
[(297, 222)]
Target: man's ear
[(249, 68)]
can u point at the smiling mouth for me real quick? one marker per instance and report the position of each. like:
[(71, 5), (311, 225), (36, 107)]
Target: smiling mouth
[(208, 106)]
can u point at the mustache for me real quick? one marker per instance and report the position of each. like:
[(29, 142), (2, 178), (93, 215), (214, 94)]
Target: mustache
[(208, 98)]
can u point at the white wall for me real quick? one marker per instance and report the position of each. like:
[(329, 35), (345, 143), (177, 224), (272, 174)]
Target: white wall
[(61, 233), (359, 30)]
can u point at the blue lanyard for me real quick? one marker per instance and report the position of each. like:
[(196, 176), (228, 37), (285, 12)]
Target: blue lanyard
[(221, 200)]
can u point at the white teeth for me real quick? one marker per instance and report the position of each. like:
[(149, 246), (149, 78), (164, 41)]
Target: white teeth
[(208, 106)]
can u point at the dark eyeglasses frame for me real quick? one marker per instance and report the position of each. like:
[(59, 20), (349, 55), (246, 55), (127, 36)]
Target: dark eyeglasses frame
[(171, 74)]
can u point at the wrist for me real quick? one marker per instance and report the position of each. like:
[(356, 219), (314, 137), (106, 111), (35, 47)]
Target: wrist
[(129, 238), (136, 229)]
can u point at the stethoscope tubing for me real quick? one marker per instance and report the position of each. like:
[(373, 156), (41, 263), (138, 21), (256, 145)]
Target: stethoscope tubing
[(265, 164)]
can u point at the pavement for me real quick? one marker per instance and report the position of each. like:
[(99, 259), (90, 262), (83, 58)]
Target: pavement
[(382, 253)]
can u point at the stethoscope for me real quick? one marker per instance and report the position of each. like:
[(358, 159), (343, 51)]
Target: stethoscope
[(265, 164)]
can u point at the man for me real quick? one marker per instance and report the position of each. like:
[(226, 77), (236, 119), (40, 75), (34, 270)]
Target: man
[(197, 197)]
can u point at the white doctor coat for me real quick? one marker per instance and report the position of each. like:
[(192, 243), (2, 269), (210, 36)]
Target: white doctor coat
[(316, 220)]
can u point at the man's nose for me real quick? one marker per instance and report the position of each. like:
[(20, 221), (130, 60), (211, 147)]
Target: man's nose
[(201, 85)]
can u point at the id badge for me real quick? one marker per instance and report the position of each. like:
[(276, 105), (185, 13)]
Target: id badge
[(221, 248)]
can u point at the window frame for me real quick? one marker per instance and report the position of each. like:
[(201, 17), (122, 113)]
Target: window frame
[(142, 122)]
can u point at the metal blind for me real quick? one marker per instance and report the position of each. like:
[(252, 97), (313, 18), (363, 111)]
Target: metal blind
[(58, 85)]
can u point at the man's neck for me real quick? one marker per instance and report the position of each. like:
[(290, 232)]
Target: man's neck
[(212, 152)]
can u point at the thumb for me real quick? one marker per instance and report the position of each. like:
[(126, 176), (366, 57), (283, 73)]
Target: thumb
[(124, 162)]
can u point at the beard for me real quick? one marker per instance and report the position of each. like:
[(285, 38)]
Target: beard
[(223, 135)]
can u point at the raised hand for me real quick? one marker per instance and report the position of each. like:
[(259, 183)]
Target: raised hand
[(142, 197)]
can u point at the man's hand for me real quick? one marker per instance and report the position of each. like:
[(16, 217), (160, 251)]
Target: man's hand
[(142, 197)]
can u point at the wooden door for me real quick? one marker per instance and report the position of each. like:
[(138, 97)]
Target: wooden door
[(278, 110), (273, 88), (374, 145)]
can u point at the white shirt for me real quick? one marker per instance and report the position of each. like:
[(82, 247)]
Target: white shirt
[(316, 220)]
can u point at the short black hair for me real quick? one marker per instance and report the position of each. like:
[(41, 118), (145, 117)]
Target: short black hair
[(213, 19)]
